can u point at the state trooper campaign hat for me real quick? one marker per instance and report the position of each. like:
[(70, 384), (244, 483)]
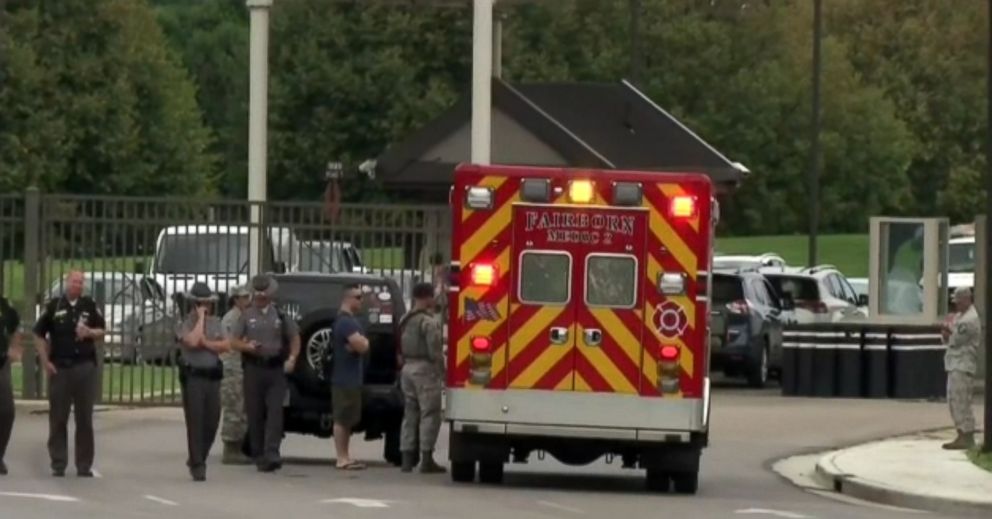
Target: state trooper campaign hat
[(201, 293), (264, 285)]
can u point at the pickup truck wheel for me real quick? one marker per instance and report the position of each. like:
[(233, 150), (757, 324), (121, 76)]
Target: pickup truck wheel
[(463, 471), (686, 482), (490, 472), (316, 352), (658, 480)]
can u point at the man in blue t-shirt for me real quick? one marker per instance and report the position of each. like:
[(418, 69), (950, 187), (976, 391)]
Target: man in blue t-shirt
[(348, 374)]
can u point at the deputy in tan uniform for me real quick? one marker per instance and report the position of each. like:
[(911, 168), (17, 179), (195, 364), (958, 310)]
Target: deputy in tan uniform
[(961, 362), (422, 380)]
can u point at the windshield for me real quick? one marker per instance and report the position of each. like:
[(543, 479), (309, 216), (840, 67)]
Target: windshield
[(203, 254), (727, 289), (319, 258), (962, 257)]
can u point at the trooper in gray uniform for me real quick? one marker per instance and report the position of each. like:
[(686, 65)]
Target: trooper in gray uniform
[(421, 379), (234, 425), (961, 363), (10, 351), (270, 344), (202, 340)]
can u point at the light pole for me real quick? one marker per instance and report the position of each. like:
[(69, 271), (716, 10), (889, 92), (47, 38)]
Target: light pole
[(814, 149), (987, 441), (482, 73), (258, 127)]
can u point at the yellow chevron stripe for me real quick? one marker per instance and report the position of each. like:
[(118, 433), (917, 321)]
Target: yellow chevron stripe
[(490, 182), (654, 269), (567, 382), (580, 383), (671, 240), (526, 332), (672, 190), (605, 367), (544, 362), (612, 325), (483, 328), (488, 231)]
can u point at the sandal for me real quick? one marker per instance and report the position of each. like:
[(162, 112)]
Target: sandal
[(352, 465)]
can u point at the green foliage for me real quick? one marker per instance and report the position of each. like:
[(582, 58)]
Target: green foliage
[(97, 103)]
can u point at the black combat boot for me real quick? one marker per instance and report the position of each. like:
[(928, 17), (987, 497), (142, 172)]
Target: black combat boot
[(233, 455), (409, 461), (427, 464)]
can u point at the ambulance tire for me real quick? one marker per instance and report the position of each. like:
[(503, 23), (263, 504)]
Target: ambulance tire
[(463, 471), (658, 480), (491, 472), (686, 482)]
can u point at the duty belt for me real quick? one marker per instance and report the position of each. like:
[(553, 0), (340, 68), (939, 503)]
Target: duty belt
[(69, 362), (214, 373), (265, 362)]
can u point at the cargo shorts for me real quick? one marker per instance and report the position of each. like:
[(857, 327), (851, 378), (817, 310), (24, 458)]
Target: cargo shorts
[(346, 405)]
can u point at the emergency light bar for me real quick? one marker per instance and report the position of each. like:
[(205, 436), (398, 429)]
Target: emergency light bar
[(580, 191), (682, 207)]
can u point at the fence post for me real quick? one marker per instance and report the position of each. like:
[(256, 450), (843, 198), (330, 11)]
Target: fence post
[(32, 261)]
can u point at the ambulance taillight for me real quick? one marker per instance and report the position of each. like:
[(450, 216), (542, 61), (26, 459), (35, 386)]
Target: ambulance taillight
[(483, 274), (682, 207), (481, 361), (668, 370)]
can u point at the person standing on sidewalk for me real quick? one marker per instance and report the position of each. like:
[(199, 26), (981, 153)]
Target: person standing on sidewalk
[(961, 362), (10, 351), (234, 431), (202, 339), (347, 375), (66, 333), (421, 379)]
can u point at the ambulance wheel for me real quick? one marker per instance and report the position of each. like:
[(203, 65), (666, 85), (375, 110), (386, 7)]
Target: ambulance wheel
[(491, 472), (658, 480), (686, 482), (463, 471)]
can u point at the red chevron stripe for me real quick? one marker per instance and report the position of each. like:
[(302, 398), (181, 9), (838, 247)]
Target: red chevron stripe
[(588, 373), (561, 369)]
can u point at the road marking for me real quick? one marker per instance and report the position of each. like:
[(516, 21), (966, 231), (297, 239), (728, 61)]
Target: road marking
[(46, 497), (549, 504), (777, 513), (160, 500), (358, 502)]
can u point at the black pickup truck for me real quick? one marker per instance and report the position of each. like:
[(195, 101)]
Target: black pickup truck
[(312, 299)]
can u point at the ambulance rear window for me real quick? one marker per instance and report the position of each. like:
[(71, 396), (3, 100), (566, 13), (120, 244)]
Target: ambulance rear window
[(611, 280), (545, 277)]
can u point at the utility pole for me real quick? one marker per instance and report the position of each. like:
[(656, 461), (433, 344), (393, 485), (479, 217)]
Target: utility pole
[(987, 441), (636, 56), (482, 78), (258, 140), (814, 149)]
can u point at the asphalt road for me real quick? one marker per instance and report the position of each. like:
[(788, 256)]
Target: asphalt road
[(141, 456)]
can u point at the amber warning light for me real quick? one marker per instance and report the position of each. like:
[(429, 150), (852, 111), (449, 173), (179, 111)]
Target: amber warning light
[(682, 207), (483, 274)]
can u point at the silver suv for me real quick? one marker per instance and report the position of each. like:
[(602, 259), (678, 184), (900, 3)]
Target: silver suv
[(820, 294)]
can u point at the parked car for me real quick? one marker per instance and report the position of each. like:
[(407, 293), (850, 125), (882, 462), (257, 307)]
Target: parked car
[(312, 299), (960, 263), (819, 295), (738, 262), (747, 317)]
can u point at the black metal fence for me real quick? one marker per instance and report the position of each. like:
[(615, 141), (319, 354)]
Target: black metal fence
[(138, 254)]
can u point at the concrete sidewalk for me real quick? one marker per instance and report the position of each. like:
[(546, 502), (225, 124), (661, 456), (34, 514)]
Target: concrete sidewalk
[(911, 472)]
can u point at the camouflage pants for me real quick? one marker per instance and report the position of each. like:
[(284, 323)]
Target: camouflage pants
[(959, 397), (232, 399), (422, 412)]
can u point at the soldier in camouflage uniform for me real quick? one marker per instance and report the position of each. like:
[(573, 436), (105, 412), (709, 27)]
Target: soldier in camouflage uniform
[(421, 380), (235, 428), (961, 362)]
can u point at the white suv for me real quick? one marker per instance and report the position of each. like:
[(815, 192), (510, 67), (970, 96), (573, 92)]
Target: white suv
[(820, 295), (742, 262)]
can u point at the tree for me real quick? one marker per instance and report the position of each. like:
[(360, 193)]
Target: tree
[(96, 103)]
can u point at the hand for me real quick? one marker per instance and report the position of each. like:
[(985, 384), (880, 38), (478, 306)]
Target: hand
[(290, 365), (82, 332), (201, 311), (253, 347), (50, 368)]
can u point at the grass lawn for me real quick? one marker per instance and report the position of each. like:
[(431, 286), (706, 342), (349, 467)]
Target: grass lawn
[(127, 384), (983, 460), (13, 272), (848, 252)]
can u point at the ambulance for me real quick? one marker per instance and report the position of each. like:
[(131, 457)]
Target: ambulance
[(578, 317)]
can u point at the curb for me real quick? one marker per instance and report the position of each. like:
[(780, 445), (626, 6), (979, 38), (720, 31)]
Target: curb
[(829, 474)]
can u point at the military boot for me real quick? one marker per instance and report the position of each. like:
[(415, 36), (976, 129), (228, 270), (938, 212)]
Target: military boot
[(233, 455), (964, 441), (427, 464), (409, 461)]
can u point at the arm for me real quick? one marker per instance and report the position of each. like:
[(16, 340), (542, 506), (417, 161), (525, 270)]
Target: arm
[(358, 343), (434, 338), (190, 336), (12, 329), (41, 330), (218, 343), (236, 336), (293, 331), (95, 325)]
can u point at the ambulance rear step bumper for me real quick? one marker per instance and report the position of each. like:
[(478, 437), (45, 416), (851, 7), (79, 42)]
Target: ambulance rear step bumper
[(557, 431)]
